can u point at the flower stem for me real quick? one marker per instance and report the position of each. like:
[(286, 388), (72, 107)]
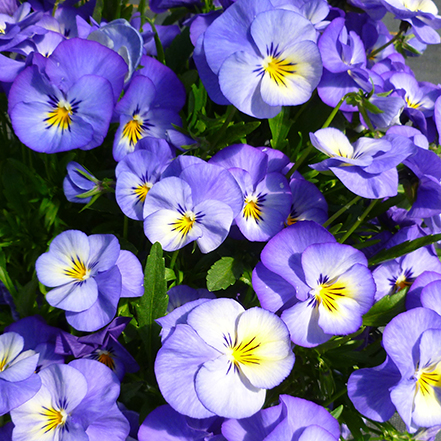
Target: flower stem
[(341, 211), (360, 219)]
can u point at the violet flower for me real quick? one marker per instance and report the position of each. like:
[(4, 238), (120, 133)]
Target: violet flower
[(323, 287), (409, 380), (367, 168), (270, 53), (88, 275), (76, 402), (227, 358)]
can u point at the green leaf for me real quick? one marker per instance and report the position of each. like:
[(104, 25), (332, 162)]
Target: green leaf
[(386, 309), (404, 248), (280, 126), (337, 411), (98, 11), (224, 273), (153, 304), (237, 132)]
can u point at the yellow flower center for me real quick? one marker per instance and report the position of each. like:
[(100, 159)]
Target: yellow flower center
[(60, 116), (141, 190), (78, 270), (133, 130), (427, 379), (328, 295), (243, 352), (278, 69), (184, 224), (252, 208), (54, 418)]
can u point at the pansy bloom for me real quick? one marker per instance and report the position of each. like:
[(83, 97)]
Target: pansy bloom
[(323, 287), (76, 402), (88, 275), (70, 104), (199, 205), (409, 381), (263, 57), (227, 357)]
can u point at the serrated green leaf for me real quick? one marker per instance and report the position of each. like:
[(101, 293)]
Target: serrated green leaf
[(153, 304), (386, 309), (224, 273), (404, 248)]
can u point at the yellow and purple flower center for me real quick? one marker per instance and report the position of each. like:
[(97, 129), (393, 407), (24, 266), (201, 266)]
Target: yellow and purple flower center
[(328, 293), (242, 352), (141, 190), (78, 270), (279, 69), (61, 114), (184, 223), (427, 379), (54, 418), (253, 207)]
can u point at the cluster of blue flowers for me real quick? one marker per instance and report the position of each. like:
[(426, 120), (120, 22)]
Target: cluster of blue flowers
[(73, 83)]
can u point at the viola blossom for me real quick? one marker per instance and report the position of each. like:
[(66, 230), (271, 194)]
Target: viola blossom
[(322, 287), (18, 382), (227, 358), (88, 275), (344, 61), (421, 15), (409, 380), (70, 103), (149, 107), (419, 98), (199, 205), (266, 196), (367, 168), (397, 274), (259, 58), (102, 346), (76, 402), (80, 185), (137, 172), (293, 419)]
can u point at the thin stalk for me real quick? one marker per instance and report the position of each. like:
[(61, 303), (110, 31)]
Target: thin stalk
[(141, 10), (392, 41), (334, 397), (333, 113), (173, 258), (341, 211), (159, 48), (359, 220)]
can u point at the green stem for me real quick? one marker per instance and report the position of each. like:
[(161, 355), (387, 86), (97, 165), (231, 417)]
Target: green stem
[(341, 211), (173, 259), (404, 27), (299, 162), (159, 48), (230, 113), (333, 113), (141, 10), (334, 397), (360, 219), (366, 118)]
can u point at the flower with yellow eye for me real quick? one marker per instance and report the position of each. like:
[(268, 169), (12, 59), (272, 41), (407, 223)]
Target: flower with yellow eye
[(227, 358)]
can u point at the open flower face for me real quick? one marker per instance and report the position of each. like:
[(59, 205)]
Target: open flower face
[(228, 357)]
